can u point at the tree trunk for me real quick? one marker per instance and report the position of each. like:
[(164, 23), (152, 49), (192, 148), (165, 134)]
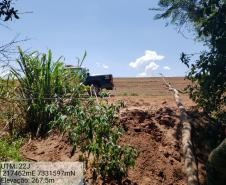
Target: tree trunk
[(216, 170)]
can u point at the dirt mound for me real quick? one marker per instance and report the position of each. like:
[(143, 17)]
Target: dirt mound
[(154, 135), (54, 147)]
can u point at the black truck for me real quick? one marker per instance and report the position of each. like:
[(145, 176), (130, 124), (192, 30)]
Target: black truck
[(100, 82), (97, 82)]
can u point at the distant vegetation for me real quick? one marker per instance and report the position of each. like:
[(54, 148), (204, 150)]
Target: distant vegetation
[(128, 94)]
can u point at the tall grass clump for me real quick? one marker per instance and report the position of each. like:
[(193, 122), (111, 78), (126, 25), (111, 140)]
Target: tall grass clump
[(41, 82)]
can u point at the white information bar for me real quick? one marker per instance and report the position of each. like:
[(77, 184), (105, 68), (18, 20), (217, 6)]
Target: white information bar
[(41, 173)]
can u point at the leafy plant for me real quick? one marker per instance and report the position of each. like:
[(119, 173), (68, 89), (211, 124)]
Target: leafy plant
[(125, 94), (104, 93), (8, 12), (95, 128), (134, 94), (9, 150)]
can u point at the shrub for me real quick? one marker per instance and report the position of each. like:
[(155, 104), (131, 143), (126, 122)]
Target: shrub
[(104, 93), (95, 128), (9, 150), (125, 94), (134, 94)]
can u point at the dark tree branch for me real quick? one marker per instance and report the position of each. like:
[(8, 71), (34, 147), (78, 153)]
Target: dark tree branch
[(7, 12)]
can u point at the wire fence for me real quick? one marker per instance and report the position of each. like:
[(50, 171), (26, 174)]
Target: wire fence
[(83, 96), (53, 98)]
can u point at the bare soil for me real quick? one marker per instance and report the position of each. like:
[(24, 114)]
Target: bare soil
[(154, 134), (146, 86), (152, 126), (55, 147)]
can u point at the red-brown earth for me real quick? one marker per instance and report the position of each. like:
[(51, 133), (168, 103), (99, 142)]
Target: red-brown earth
[(151, 122)]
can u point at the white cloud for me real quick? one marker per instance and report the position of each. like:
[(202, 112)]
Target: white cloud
[(105, 66), (102, 65), (151, 67), (147, 63), (149, 56), (166, 68), (143, 74), (148, 71)]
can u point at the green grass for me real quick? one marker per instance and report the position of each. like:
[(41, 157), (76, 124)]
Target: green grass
[(9, 150), (128, 94), (133, 94), (123, 94)]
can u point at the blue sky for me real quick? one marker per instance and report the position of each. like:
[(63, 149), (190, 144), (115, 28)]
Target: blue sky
[(120, 36)]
